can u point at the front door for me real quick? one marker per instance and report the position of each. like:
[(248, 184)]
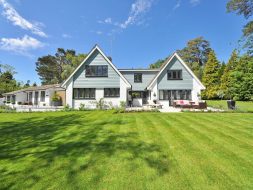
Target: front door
[(36, 97)]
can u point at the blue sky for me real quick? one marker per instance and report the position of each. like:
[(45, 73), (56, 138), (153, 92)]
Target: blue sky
[(134, 33)]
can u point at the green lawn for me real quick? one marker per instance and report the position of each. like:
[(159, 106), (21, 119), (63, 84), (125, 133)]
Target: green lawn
[(102, 150), (240, 105)]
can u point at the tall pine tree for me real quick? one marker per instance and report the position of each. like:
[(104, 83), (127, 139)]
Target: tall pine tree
[(226, 77), (211, 77), (241, 85)]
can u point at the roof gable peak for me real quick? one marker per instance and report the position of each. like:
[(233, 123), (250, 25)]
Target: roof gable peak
[(96, 47)]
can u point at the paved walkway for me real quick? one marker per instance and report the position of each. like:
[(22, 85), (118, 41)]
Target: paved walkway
[(170, 110)]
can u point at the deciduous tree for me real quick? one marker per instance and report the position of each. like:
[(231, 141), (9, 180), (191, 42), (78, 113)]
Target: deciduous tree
[(245, 8), (7, 80), (195, 54), (56, 68)]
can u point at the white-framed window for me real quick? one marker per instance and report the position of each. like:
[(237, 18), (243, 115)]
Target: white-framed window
[(111, 92), (84, 93), (174, 75)]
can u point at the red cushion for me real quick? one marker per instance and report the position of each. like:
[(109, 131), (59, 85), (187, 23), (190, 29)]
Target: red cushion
[(181, 101)]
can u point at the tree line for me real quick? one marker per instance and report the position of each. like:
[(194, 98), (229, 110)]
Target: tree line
[(8, 83)]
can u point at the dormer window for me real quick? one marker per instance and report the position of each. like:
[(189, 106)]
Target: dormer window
[(174, 75), (137, 77)]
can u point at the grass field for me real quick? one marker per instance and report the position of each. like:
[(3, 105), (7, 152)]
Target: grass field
[(240, 105), (101, 150)]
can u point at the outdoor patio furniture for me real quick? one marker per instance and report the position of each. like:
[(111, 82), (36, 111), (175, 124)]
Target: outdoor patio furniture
[(200, 105), (182, 104), (190, 104)]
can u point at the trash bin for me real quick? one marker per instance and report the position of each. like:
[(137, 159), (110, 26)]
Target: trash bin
[(231, 104)]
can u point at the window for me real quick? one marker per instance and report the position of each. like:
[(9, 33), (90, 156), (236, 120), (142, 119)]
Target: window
[(13, 98), (138, 77), (96, 71), (174, 75), (111, 92), (42, 96), (29, 97), (8, 99), (84, 93), (175, 94)]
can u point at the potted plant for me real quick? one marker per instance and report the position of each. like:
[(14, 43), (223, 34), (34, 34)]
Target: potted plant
[(134, 95), (56, 99)]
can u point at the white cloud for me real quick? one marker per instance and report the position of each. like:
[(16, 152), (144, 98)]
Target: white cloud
[(20, 45), (99, 32), (194, 2), (13, 16), (177, 5), (135, 17), (138, 8), (108, 20), (66, 36)]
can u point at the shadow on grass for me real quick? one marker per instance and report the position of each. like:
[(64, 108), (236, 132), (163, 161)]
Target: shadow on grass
[(72, 137)]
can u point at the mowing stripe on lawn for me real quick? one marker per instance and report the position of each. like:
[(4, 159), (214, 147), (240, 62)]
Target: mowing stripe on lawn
[(174, 169), (224, 138), (193, 163), (237, 127), (221, 150), (214, 173), (183, 180), (218, 128)]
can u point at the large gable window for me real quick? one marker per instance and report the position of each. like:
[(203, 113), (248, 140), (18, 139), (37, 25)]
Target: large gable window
[(96, 71), (84, 93), (111, 92), (137, 77), (174, 75)]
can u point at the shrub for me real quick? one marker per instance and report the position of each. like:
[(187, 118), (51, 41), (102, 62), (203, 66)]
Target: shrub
[(122, 104), (19, 103), (67, 108), (100, 104), (7, 109), (82, 107), (110, 105)]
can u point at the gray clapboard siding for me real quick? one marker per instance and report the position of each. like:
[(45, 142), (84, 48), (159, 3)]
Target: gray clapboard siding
[(186, 83), (147, 76), (112, 81)]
